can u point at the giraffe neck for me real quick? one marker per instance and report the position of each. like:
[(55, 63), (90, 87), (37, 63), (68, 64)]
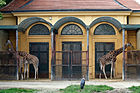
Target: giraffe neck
[(120, 50)]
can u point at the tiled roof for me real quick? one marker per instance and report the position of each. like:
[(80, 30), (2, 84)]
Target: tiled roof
[(132, 4), (25, 5), (15, 4)]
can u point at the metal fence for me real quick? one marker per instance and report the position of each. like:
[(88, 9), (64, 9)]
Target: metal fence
[(7, 66), (133, 64), (70, 65)]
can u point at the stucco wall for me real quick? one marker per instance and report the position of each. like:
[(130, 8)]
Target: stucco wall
[(87, 18), (8, 19)]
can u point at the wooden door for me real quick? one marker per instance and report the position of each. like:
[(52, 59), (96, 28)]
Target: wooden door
[(71, 59), (41, 50), (102, 48)]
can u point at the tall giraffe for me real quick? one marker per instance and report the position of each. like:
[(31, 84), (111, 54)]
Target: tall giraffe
[(31, 59), (19, 60), (110, 58), (27, 59)]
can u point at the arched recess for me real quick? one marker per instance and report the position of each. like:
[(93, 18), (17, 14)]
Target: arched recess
[(67, 41), (111, 20), (25, 24), (38, 44), (103, 43), (64, 20)]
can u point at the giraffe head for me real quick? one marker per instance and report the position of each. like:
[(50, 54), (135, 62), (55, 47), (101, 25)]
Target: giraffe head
[(10, 43)]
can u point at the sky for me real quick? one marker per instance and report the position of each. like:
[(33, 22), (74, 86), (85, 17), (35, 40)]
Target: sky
[(138, 1)]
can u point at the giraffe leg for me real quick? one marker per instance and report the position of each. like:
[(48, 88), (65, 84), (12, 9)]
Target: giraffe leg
[(35, 74), (21, 73), (111, 70), (35, 70), (17, 71), (27, 71), (104, 72), (114, 70), (20, 69), (101, 68)]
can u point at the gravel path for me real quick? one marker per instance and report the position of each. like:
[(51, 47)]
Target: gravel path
[(47, 86)]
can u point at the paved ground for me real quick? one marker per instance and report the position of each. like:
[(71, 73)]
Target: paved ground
[(55, 85)]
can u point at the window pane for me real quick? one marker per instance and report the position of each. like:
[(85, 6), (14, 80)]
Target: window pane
[(71, 29), (104, 29), (39, 29)]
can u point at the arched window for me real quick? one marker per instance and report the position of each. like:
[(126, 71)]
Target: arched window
[(72, 29), (104, 29), (39, 29)]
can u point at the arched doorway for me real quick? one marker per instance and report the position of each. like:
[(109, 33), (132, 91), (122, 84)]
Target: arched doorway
[(35, 39), (105, 37)]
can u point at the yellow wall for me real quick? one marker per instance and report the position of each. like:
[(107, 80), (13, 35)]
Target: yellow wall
[(87, 18), (8, 19), (25, 39), (132, 38), (117, 39), (92, 39)]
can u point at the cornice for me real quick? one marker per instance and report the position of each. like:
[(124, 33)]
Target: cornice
[(135, 14), (94, 13), (7, 15)]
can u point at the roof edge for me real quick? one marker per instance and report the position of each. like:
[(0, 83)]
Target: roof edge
[(120, 4), (136, 11), (67, 10), (131, 27)]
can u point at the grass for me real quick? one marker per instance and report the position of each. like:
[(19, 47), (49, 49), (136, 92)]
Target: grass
[(135, 89), (87, 89), (17, 90)]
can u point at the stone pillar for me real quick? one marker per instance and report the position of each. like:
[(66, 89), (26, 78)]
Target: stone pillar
[(138, 40)]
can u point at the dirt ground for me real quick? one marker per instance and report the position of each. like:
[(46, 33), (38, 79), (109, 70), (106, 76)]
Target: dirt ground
[(48, 86)]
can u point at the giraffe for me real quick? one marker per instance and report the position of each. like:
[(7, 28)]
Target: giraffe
[(31, 59), (110, 58), (27, 59), (19, 61)]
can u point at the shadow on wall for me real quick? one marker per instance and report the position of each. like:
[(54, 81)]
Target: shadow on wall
[(3, 39)]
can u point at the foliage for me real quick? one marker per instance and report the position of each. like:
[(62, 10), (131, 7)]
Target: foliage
[(135, 89), (17, 90), (87, 89), (2, 3)]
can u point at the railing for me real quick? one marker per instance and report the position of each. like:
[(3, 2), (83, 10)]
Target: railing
[(132, 64), (7, 66)]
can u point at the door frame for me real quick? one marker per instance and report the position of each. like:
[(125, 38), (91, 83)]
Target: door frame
[(40, 52), (70, 66), (108, 67), (93, 52)]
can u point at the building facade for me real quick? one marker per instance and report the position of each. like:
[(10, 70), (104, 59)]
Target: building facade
[(68, 37)]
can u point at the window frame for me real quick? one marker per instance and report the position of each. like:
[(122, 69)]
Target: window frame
[(71, 33), (113, 29), (47, 31)]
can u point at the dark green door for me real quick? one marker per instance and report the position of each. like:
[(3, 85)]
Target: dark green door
[(71, 59), (102, 48), (41, 50)]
